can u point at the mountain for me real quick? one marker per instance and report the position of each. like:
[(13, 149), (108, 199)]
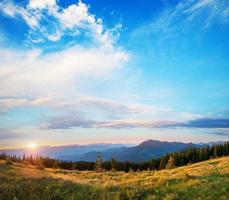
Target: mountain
[(61, 152), (213, 143), (145, 151)]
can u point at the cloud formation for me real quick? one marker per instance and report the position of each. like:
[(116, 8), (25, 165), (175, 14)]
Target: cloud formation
[(48, 21), (72, 121), (30, 73), (41, 4), (9, 134), (111, 109), (178, 19), (67, 122), (50, 77), (207, 123)]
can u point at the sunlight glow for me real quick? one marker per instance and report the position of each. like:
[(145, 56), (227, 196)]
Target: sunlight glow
[(32, 145)]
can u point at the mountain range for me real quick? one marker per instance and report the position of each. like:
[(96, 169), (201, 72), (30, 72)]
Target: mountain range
[(123, 152)]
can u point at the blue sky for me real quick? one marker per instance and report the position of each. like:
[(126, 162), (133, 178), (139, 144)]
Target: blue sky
[(113, 71)]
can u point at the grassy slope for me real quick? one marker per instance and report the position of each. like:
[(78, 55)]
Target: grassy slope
[(204, 180)]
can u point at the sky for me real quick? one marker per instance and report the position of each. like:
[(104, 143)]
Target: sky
[(96, 71)]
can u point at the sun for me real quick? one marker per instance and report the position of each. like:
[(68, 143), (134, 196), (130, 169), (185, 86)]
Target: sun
[(32, 145)]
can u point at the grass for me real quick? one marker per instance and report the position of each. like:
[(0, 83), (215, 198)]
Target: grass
[(204, 180)]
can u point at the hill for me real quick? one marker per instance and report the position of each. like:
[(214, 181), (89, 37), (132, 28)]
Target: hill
[(204, 180)]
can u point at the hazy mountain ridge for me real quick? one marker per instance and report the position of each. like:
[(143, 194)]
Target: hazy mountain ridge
[(61, 152), (144, 151)]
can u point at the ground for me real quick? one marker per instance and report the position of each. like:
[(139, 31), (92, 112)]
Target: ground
[(204, 180)]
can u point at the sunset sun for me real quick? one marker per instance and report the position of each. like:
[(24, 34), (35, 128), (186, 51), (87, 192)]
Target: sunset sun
[(32, 145)]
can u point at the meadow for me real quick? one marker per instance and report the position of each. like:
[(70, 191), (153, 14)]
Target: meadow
[(203, 180)]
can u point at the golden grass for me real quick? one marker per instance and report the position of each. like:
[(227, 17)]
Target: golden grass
[(204, 180), (145, 178)]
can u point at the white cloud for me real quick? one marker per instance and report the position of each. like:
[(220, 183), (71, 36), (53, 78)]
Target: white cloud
[(55, 21), (9, 9), (212, 11), (75, 14), (181, 17), (198, 5), (133, 123), (76, 103), (40, 4), (30, 73), (54, 37), (9, 103), (71, 121), (14, 11)]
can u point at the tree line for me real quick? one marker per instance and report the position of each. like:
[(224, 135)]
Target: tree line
[(170, 160)]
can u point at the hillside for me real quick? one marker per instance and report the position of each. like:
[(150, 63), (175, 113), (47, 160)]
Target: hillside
[(204, 180)]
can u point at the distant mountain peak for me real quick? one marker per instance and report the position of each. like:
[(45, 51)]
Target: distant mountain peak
[(150, 143)]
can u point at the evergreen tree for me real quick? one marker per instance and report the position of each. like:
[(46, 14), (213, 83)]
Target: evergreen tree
[(113, 164), (55, 164), (99, 162), (170, 164), (39, 163), (215, 150)]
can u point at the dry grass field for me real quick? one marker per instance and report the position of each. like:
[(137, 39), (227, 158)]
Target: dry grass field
[(204, 180)]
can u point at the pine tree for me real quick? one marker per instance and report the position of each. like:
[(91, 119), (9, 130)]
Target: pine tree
[(215, 151), (113, 164), (39, 163), (163, 162), (55, 165), (98, 163), (170, 164)]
